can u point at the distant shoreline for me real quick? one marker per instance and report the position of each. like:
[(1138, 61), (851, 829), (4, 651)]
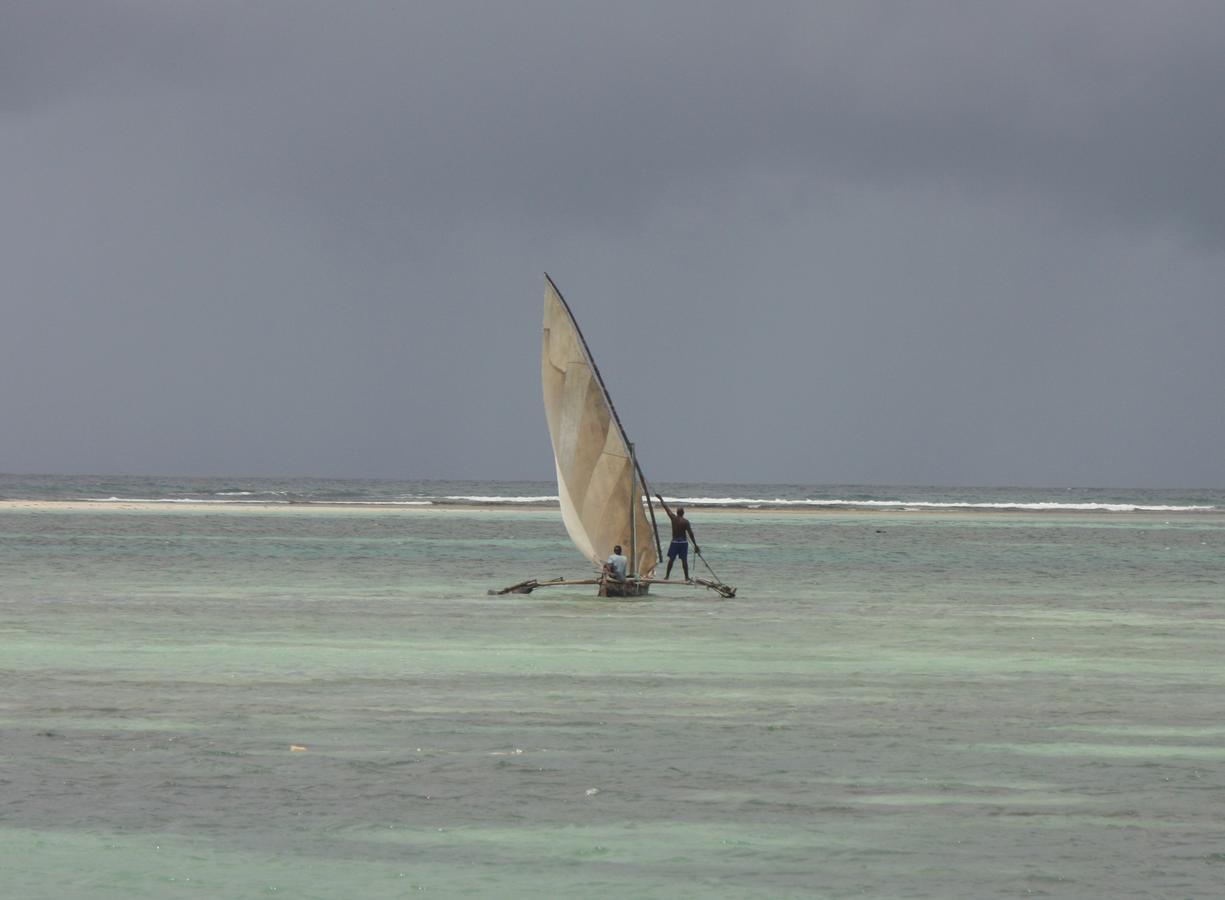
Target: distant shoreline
[(260, 506), (274, 507)]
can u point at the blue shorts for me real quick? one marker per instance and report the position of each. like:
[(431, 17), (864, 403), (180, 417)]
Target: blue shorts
[(679, 548)]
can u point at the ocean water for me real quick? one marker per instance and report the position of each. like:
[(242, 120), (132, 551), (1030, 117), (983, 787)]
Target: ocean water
[(917, 692)]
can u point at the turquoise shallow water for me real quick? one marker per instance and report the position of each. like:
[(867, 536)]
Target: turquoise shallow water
[(898, 704)]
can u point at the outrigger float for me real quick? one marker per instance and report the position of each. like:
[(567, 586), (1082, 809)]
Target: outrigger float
[(603, 494)]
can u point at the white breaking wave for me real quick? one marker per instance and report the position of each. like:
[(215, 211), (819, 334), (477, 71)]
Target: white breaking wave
[(175, 500), (249, 497), (752, 503), (780, 502), (372, 502), (261, 502), (546, 499)]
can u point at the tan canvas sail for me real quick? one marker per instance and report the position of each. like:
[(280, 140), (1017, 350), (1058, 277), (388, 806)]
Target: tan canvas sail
[(597, 481)]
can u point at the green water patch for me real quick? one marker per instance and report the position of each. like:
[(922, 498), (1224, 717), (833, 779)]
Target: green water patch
[(175, 654), (1147, 731), (1106, 751), (636, 842), (1049, 802), (41, 865), (656, 860), (1129, 819), (76, 722)]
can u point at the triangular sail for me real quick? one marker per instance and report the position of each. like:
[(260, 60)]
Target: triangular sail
[(597, 480)]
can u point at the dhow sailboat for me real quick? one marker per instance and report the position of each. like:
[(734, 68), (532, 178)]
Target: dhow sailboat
[(604, 498)]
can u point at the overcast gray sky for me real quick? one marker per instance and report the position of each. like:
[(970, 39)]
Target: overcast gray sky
[(860, 242)]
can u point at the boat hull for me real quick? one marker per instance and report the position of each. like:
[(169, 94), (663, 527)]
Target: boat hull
[(624, 588)]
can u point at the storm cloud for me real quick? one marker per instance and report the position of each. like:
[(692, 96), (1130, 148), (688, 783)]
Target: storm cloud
[(861, 242)]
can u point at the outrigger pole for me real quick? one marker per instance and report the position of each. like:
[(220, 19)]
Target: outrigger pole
[(699, 555), (526, 587)]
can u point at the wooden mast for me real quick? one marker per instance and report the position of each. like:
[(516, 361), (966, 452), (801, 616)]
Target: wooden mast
[(635, 500)]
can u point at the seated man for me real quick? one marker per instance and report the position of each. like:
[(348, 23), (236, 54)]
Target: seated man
[(617, 565)]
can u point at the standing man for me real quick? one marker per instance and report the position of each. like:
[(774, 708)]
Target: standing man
[(682, 534)]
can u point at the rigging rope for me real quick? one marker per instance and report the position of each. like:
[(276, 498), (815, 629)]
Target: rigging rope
[(698, 554)]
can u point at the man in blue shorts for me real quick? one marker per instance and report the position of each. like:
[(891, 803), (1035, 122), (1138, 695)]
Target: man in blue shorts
[(682, 534)]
